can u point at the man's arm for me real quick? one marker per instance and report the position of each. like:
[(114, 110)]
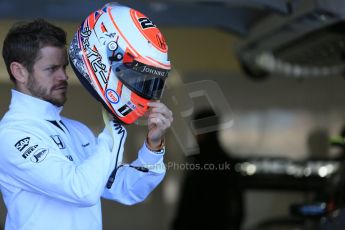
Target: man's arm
[(135, 181)]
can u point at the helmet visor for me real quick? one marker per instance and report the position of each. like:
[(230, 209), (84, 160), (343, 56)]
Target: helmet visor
[(146, 81)]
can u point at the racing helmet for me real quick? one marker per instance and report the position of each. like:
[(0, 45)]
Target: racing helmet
[(121, 57)]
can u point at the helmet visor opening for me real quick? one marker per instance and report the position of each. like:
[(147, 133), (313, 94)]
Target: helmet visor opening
[(147, 81)]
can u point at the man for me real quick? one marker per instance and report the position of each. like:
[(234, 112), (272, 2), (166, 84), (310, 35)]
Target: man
[(53, 170), (211, 197)]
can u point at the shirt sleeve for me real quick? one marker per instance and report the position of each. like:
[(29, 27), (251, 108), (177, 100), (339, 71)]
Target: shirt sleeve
[(31, 163), (132, 185)]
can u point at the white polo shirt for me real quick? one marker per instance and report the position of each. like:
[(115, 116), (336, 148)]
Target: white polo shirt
[(53, 170)]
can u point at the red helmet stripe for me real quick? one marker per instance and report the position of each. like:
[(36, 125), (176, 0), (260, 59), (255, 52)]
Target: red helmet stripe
[(103, 28), (92, 21), (93, 17)]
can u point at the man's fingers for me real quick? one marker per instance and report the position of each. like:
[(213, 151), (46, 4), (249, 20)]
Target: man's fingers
[(158, 107), (160, 120)]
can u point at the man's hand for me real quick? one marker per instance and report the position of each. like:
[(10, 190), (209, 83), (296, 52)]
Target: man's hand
[(159, 120)]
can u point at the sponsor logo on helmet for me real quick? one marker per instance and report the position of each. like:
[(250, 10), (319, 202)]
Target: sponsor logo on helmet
[(131, 105), (39, 155), (112, 96), (150, 70), (21, 144)]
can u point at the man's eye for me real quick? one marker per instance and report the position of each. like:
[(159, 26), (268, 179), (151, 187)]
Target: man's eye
[(51, 69)]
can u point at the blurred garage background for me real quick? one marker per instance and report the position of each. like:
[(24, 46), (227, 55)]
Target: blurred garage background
[(272, 71)]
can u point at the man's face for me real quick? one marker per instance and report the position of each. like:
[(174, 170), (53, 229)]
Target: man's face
[(48, 79)]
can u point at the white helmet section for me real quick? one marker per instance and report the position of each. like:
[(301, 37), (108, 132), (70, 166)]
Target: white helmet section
[(149, 46)]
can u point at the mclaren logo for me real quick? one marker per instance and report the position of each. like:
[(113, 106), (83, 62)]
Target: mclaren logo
[(21, 144)]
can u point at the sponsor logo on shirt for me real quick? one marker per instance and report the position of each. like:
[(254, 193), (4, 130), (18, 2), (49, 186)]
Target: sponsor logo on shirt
[(58, 141), (29, 151), (39, 155), (21, 144)]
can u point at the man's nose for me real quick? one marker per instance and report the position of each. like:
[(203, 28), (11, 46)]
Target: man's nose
[(62, 74)]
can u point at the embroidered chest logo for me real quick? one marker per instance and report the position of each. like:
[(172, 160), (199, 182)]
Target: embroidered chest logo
[(39, 155), (21, 144), (29, 151), (58, 141)]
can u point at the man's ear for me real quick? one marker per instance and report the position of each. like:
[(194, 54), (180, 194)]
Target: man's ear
[(19, 72)]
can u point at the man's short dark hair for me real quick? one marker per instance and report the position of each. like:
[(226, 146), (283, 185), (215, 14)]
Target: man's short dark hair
[(24, 40)]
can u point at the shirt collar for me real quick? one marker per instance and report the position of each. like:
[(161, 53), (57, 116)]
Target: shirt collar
[(35, 107)]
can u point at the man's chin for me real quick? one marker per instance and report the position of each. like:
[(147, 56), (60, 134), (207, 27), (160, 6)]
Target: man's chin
[(58, 102)]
